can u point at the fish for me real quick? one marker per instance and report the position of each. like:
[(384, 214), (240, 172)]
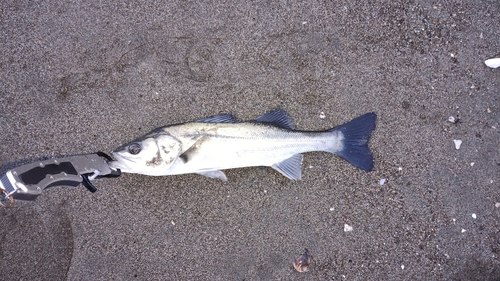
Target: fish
[(209, 145)]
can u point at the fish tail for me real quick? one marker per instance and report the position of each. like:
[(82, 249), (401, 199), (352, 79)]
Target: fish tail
[(356, 134)]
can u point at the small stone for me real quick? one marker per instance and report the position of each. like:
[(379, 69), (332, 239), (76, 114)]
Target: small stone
[(458, 143), (406, 105), (451, 119), (381, 182), (497, 205), (322, 115), (488, 110), (474, 216)]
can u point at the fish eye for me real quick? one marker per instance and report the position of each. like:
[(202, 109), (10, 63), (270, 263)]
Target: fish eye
[(134, 148)]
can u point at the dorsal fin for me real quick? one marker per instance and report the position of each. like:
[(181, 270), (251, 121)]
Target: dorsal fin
[(221, 118), (277, 117)]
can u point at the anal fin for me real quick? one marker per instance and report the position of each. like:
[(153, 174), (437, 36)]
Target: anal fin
[(215, 174), (290, 167)]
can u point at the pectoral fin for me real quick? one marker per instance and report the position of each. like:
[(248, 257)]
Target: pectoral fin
[(191, 151), (216, 174), (291, 167)]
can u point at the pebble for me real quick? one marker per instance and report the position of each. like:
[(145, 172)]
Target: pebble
[(458, 143), (492, 63)]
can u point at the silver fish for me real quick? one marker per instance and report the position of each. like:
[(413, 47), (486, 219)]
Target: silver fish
[(219, 142)]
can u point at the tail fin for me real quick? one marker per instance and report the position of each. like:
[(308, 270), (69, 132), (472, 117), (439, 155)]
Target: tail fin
[(356, 135)]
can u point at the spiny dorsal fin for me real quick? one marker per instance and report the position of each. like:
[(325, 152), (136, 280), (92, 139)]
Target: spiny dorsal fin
[(221, 118), (277, 117)]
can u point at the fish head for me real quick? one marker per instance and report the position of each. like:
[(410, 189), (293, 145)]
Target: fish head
[(152, 154)]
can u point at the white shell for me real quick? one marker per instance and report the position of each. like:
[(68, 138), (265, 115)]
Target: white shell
[(347, 228), (493, 63)]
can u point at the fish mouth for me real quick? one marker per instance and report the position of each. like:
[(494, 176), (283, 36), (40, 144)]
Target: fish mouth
[(115, 165), (120, 163)]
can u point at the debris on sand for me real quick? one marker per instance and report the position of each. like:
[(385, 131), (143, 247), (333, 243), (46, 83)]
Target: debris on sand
[(302, 262), (453, 120)]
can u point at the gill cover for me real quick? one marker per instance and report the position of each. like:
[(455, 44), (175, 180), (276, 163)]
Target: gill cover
[(169, 148)]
